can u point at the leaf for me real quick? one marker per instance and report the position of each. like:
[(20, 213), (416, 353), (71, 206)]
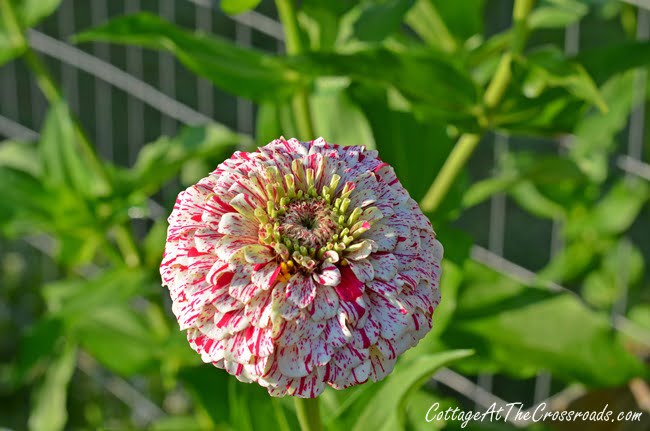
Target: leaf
[(605, 62), (557, 14), (36, 346), (431, 81), (65, 162), (596, 133), (162, 160), (234, 7), (75, 300), (48, 402), (242, 71), (446, 25), (29, 13), (373, 21), (616, 212), (21, 156), (522, 330), (385, 409), (208, 387), (25, 203), (119, 338), (416, 149), (336, 117), (547, 67)]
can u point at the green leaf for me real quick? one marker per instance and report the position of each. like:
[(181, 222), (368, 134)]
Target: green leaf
[(21, 156), (201, 382), (445, 25), (431, 81), (242, 71), (372, 21), (336, 117), (49, 411), (64, 161), (29, 13), (605, 62), (416, 149), (618, 209), (25, 203), (385, 410), (596, 133), (523, 330), (37, 345), (547, 67), (571, 262), (234, 7), (75, 300), (162, 160), (557, 14), (119, 338)]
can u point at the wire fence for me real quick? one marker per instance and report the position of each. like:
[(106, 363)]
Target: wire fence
[(96, 78)]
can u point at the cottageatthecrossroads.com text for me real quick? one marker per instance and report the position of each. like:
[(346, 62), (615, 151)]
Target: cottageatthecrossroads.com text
[(514, 412)]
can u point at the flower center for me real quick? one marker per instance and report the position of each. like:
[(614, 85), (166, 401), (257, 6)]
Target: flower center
[(309, 223)]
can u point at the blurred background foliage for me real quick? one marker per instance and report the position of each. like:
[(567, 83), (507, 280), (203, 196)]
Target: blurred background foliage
[(545, 221)]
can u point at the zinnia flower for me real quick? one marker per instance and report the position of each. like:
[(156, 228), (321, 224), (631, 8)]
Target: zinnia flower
[(302, 264)]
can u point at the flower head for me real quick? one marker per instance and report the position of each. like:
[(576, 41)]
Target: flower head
[(302, 264)]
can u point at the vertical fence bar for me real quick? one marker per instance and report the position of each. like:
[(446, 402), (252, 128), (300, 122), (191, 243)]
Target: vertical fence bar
[(103, 96), (634, 149), (205, 92), (69, 77), (9, 91), (243, 36), (496, 232), (167, 70), (135, 108)]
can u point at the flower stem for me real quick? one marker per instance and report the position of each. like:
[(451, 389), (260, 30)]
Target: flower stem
[(300, 102), (492, 97), (308, 413)]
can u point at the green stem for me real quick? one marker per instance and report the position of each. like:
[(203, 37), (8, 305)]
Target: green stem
[(308, 413), (492, 97), (427, 23), (126, 244), (300, 102)]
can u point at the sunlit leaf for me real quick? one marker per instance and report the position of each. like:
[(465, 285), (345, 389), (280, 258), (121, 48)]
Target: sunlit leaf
[(526, 329), (49, 411), (234, 7), (242, 71)]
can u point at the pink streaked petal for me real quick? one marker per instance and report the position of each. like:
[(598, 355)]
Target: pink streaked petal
[(258, 253), (381, 366), (350, 288), (335, 334), (245, 205), (359, 250), (265, 276), (392, 316), (325, 304), (241, 287), (329, 275), (308, 386), (238, 225), (366, 336), (229, 245), (292, 362), (301, 289), (259, 341), (363, 270), (384, 236), (385, 265), (384, 288)]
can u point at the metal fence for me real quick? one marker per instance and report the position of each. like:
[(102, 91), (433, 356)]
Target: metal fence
[(159, 96)]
